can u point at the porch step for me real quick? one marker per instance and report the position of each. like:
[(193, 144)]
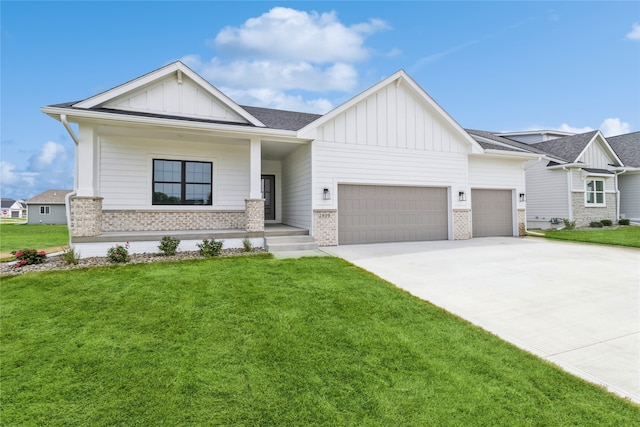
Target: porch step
[(290, 243)]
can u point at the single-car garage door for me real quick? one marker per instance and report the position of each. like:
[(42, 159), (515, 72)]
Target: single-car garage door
[(492, 213), (377, 214)]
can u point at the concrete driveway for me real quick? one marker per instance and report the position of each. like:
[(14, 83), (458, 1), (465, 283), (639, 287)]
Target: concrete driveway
[(576, 305)]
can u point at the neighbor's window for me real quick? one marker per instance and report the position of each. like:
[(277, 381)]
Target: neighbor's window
[(179, 182), (45, 210), (594, 193)]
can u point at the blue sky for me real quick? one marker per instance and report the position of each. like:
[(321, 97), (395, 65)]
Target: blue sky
[(500, 66)]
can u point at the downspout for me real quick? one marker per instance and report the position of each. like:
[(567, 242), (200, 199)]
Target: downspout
[(618, 192), (67, 198)]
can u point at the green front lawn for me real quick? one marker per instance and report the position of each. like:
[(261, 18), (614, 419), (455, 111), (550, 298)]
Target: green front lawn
[(32, 236), (256, 341), (621, 236)]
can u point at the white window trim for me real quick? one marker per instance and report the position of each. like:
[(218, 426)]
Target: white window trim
[(45, 210), (586, 192)]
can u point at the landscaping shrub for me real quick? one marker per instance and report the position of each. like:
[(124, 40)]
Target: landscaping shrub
[(119, 253), (210, 248), (624, 221), (70, 256), (29, 256), (606, 222), (247, 246), (568, 224), (169, 245), (595, 224)]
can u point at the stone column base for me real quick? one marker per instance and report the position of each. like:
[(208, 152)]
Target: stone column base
[(522, 222), (254, 211), (86, 216), (461, 224), (325, 227)]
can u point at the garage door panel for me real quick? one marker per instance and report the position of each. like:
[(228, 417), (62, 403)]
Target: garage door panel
[(492, 213), (375, 214)]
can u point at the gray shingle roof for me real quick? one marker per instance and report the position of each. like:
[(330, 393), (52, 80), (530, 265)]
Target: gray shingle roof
[(627, 147), (511, 144), (567, 148), (5, 203), (281, 119), (52, 197)]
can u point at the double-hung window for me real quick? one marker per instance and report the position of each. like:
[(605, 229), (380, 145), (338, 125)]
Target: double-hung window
[(594, 192), (45, 210), (181, 182)]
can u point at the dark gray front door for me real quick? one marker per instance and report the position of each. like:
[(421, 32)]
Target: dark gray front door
[(269, 195)]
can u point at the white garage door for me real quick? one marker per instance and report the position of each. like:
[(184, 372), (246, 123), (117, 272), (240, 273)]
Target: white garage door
[(492, 213), (377, 214)]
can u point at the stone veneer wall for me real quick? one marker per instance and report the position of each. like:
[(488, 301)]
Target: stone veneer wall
[(254, 214), (522, 222), (584, 215), (325, 227), (86, 216), (138, 220), (461, 224)]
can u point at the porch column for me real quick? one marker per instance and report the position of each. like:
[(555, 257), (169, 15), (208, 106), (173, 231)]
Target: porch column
[(254, 205), (256, 170), (87, 165)]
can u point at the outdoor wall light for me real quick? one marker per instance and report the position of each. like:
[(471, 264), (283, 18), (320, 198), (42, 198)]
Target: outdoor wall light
[(522, 197), (461, 196), (326, 194)]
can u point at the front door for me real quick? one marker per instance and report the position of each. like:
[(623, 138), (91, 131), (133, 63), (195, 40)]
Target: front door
[(269, 196)]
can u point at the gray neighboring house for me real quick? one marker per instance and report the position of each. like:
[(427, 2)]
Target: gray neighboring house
[(627, 147), (47, 207), (575, 177)]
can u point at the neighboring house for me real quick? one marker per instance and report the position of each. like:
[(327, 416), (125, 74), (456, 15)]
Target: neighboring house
[(47, 207), (168, 153), (627, 147), (13, 208), (576, 179)]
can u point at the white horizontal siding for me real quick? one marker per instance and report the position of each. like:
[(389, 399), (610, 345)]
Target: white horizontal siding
[(546, 192), (394, 117), (487, 172), (630, 195), (126, 170), (296, 188)]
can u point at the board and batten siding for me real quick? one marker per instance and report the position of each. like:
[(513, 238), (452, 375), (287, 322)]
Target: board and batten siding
[(393, 117), (596, 157), (168, 96), (296, 188), (547, 192), (126, 171), (630, 195)]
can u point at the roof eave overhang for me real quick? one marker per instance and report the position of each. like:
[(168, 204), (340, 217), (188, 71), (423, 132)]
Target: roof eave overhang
[(104, 118), (508, 154), (567, 165)]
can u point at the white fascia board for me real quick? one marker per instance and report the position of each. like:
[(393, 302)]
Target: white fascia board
[(521, 155), (113, 119), (606, 144), (158, 74), (567, 165)]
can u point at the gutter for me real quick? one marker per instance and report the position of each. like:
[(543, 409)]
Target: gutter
[(617, 188), (63, 119), (569, 192)]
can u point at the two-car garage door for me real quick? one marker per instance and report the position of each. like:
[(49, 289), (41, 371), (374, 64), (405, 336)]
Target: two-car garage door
[(376, 214)]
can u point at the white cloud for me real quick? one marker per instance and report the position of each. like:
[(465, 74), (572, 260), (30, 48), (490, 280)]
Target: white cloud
[(634, 34), (265, 59), (51, 153), (8, 174), (293, 35), (609, 127)]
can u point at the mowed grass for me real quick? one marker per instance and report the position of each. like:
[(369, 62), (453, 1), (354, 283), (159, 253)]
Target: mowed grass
[(255, 341), (622, 236), (14, 237)]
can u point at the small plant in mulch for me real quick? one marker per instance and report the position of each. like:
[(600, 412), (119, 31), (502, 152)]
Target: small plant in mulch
[(70, 256), (169, 245), (595, 224), (29, 256), (247, 246), (606, 222), (568, 224), (119, 253), (210, 248), (624, 221)]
